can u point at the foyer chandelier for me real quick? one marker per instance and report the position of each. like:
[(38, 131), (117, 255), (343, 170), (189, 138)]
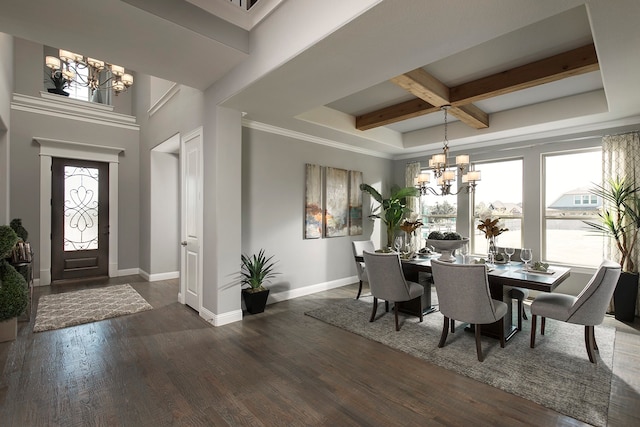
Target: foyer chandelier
[(70, 67), (444, 173)]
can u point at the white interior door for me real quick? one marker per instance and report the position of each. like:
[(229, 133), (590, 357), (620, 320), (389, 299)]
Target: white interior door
[(191, 254)]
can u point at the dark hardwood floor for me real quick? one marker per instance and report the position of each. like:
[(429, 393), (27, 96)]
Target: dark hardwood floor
[(167, 366)]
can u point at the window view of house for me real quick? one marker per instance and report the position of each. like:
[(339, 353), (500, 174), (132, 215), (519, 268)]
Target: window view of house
[(438, 212), (568, 203), (500, 194)]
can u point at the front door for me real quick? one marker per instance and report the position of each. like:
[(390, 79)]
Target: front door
[(79, 219)]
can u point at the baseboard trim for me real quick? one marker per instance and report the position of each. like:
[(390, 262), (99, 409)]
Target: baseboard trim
[(163, 276), (130, 272), (221, 319), (308, 290)]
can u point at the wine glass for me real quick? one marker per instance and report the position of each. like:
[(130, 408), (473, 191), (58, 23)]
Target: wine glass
[(464, 250), (509, 252), (526, 256), (397, 243)]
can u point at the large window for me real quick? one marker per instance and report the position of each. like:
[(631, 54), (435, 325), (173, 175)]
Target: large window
[(438, 212), (75, 90), (499, 192), (568, 203)]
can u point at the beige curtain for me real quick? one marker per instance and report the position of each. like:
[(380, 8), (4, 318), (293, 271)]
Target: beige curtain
[(621, 157), (411, 172)]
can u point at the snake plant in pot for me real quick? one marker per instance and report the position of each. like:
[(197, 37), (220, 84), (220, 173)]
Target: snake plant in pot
[(620, 220), (256, 270)]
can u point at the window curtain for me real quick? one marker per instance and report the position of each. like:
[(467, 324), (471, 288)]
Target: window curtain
[(411, 172), (621, 157)]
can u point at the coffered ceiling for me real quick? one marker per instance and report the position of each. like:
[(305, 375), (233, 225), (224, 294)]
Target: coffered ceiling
[(342, 74)]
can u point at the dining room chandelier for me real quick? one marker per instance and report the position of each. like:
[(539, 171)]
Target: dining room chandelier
[(71, 67), (445, 173)]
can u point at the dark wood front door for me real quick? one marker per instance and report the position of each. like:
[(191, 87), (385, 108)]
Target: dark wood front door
[(79, 219)]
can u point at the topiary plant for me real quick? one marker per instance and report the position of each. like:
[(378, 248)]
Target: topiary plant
[(13, 292), (8, 239), (16, 225)]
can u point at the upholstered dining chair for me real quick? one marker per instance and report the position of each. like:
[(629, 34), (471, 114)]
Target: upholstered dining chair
[(463, 294), (358, 247), (587, 309), (518, 294), (387, 282)]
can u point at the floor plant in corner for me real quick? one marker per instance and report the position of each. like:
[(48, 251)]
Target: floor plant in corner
[(256, 270)]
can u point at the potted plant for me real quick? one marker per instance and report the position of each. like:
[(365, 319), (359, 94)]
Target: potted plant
[(393, 209), (256, 270), (13, 287), (620, 219)]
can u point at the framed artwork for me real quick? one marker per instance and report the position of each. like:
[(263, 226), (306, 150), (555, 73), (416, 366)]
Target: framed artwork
[(313, 222), (355, 203), (336, 219)]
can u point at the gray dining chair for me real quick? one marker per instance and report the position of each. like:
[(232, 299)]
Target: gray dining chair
[(387, 282), (588, 308), (518, 294), (358, 247), (464, 295)]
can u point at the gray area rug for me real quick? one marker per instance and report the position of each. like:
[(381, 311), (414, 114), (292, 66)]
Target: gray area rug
[(89, 305), (556, 374)]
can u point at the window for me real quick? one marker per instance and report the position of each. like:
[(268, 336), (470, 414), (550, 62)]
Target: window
[(438, 212), (499, 191), (568, 177), (75, 90)]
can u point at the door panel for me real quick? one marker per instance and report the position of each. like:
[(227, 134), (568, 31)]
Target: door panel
[(191, 259), (79, 219)]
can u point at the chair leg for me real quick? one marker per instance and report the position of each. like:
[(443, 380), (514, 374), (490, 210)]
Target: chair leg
[(421, 311), (445, 332), (588, 340), (453, 326), (478, 342), (543, 322), (502, 339), (520, 314), (593, 338), (524, 312), (395, 312), (386, 306), (375, 308), (534, 319), (359, 290)]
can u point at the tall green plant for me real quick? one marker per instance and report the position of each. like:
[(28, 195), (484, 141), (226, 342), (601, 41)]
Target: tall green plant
[(620, 217), (256, 270), (392, 209)]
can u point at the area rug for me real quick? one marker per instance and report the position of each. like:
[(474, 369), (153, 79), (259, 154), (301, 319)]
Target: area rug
[(89, 305), (556, 374)]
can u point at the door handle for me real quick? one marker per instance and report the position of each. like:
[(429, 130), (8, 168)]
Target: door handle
[(183, 243)]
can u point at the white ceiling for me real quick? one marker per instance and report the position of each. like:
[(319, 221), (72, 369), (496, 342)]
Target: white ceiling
[(319, 89)]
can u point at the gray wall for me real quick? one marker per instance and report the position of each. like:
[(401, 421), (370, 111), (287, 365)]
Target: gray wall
[(273, 194), (6, 89), (165, 208), (25, 172)]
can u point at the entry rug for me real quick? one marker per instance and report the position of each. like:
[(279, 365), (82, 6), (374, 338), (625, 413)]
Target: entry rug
[(556, 373), (89, 305)]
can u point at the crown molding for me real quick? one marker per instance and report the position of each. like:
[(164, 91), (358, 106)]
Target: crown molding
[(173, 91), (73, 109), (310, 138)]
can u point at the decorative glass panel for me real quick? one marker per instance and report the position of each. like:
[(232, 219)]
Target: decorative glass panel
[(80, 208)]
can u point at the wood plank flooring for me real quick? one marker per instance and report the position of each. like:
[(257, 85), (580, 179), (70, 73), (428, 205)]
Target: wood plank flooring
[(168, 366)]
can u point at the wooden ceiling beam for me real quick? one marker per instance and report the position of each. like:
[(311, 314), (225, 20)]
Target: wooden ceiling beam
[(426, 87), (395, 113), (572, 63)]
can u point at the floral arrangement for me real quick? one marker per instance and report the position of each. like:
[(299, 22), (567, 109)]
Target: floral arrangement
[(491, 227), (411, 224)]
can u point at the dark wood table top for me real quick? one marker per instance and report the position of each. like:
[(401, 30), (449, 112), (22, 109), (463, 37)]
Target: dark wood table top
[(503, 274)]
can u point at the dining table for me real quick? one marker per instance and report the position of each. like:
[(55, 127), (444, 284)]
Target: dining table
[(501, 276)]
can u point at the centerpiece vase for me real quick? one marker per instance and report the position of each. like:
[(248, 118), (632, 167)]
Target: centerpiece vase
[(492, 249)]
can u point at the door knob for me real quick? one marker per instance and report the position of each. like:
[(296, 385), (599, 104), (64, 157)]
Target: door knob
[(183, 243)]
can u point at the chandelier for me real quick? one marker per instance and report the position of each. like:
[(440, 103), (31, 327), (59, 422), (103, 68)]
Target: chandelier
[(70, 67), (444, 173)]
